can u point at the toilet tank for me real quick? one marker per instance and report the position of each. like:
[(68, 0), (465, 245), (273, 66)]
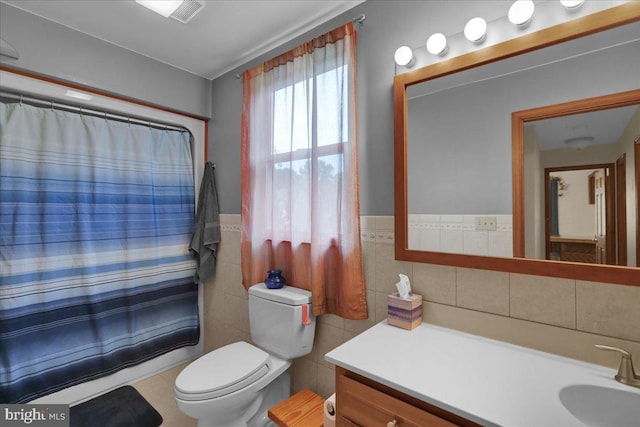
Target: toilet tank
[(277, 318)]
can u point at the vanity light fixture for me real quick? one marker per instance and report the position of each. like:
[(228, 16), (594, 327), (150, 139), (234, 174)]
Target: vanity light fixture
[(521, 12), (572, 5), (476, 30), (404, 56), (437, 44)]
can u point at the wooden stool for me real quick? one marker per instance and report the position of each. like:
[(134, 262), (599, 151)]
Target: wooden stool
[(303, 409)]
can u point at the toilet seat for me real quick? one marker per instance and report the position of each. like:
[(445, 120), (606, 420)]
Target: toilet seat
[(222, 371)]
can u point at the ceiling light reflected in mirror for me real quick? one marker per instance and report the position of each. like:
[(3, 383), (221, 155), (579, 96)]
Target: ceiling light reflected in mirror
[(579, 142)]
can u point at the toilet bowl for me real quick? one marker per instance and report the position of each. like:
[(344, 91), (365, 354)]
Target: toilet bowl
[(235, 385)]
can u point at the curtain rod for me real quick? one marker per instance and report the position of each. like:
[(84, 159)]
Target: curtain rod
[(87, 110), (357, 20), (360, 19)]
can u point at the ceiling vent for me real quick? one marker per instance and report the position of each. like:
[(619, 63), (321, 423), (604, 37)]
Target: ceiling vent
[(187, 10)]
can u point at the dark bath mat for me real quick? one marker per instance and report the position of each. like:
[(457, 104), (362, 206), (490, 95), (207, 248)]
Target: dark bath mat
[(122, 407)]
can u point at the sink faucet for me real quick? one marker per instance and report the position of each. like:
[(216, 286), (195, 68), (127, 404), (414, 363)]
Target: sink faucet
[(626, 374)]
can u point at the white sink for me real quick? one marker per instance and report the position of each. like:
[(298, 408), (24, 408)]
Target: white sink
[(598, 406)]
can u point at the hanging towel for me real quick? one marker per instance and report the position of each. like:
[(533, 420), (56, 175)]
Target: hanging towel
[(206, 236)]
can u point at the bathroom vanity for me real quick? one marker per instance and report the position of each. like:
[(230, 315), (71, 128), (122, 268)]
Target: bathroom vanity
[(364, 402), (434, 376)]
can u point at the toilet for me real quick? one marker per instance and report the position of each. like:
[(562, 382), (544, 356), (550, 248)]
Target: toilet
[(235, 385)]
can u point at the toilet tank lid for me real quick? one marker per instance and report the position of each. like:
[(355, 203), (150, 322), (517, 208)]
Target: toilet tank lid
[(286, 294)]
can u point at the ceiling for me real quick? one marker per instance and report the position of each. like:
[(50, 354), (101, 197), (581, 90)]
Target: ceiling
[(604, 126), (222, 36)]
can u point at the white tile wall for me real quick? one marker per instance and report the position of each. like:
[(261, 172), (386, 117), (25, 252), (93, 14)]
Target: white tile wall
[(458, 234)]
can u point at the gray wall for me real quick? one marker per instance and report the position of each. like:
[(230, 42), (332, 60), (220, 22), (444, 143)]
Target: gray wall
[(53, 50)]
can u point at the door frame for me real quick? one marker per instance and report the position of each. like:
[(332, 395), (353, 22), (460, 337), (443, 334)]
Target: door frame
[(636, 149), (621, 209)]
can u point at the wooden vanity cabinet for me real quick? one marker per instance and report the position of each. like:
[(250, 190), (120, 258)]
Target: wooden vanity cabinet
[(367, 403)]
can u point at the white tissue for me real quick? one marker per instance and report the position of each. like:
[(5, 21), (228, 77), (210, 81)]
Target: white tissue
[(403, 287), (330, 411)]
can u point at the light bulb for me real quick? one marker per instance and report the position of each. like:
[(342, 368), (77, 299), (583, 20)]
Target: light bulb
[(520, 12), (437, 44), (404, 56), (476, 30), (571, 4)]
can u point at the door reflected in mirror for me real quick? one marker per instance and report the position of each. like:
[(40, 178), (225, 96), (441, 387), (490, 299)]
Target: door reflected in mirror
[(579, 193), (578, 228)]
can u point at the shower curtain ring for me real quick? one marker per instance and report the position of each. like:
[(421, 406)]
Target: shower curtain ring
[(20, 99)]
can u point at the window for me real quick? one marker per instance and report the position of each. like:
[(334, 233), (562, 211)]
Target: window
[(302, 152), (300, 202)]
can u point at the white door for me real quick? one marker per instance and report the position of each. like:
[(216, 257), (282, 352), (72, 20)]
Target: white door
[(601, 217)]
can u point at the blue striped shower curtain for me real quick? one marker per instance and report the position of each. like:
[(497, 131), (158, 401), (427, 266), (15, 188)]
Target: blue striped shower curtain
[(96, 217)]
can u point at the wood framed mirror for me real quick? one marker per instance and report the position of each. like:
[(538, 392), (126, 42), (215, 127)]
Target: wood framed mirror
[(574, 30)]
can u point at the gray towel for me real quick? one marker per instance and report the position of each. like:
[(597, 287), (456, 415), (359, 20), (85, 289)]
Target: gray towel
[(206, 235)]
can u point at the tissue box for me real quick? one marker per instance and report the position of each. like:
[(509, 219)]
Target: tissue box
[(404, 313)]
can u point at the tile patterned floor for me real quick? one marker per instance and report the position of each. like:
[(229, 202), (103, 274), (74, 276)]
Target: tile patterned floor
[(158, 390)]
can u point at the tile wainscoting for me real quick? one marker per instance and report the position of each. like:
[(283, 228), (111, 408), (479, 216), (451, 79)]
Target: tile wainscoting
[(561, 316), (489, 235)]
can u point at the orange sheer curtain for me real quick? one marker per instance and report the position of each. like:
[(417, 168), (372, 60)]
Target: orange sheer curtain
[(300, 195)]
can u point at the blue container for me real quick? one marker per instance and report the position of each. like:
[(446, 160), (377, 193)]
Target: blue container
[(274, 280)]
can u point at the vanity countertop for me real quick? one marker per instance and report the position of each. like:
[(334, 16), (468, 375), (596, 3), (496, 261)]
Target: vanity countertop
[(486, 381)]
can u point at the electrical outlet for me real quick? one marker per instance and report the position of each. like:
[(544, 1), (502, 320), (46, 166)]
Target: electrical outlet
[(486, 223)]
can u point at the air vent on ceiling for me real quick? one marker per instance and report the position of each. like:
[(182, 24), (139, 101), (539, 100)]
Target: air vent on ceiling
[(187, 10)]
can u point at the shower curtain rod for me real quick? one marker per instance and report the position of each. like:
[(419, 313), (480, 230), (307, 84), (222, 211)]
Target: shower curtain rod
[(89, 111)]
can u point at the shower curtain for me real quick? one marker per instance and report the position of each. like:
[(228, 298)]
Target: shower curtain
[(95, 272)]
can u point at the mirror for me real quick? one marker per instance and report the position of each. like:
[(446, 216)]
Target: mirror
[(463, 170)]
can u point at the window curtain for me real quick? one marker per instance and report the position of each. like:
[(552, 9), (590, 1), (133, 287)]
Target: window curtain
[(300, 201), (96, 217)]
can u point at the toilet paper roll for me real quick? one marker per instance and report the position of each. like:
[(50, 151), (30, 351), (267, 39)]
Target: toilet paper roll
[(330, 411)]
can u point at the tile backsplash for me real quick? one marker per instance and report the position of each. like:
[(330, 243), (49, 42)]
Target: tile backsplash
[(560, 316)]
